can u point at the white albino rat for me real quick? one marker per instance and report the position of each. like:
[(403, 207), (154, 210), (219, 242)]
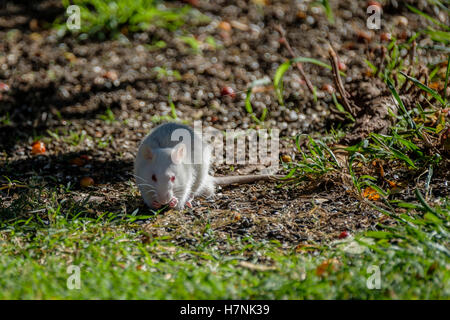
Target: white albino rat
[(172, 165)]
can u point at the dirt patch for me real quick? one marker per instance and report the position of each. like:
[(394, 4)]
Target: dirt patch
[(61, 91)]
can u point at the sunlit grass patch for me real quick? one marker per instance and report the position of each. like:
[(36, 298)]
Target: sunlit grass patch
[(106, 18)]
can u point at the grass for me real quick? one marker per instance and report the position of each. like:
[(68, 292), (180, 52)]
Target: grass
[(103, 19), (279, 74), (118, 260), (248, 103), (4, 120), (328, 11), (277, 83), (44, 230), (164, 73), (108, 117), (316, 162), (197, 46)]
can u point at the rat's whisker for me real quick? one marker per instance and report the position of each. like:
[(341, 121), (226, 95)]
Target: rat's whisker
[(148, 186), (138, 177)]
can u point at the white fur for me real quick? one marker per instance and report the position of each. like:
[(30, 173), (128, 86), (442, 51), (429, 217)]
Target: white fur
[(163, 157)]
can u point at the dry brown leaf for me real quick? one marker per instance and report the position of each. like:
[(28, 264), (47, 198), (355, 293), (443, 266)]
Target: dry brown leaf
[(371, 194), (327, 266)]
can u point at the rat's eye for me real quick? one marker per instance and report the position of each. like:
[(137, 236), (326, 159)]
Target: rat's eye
[(172, 178), (154, 178)]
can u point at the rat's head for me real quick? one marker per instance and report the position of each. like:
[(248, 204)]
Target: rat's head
[(162, 171)]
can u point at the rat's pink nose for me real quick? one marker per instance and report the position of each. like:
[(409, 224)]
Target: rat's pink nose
[(165, 198)]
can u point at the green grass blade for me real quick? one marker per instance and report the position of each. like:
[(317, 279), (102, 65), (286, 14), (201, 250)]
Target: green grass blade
[(425, 88), (400, 103), (248, 104), (404, 157), (379, 234), (173, 110), (316, 62), (425, 205), (313, 61), (248, 97), (328, 11), (426, 16), (439, 36), (278, 80)]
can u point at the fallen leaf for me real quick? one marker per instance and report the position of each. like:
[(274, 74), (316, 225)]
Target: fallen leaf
[(224, 26), (286, 158), (261, 2), (111, 75), (301, 14), (369, 73), (77, 162), (35, 36), (432, 268), (371, 194), (86, 182), (33, 24), (364, 35), (70, 57), (38, 147), (392, 184), (437, 86), (380, 169), (445, 140), (124, 30), (327, 267)]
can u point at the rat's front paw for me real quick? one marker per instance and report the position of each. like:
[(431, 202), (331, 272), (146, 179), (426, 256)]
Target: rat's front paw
[(156, 204), (173, 202)]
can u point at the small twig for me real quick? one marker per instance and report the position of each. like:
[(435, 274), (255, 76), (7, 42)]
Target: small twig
[(405, 84), (426, 77), (412, 53), (422, 73), (383, 58), (338, 82), (37, 211), (394, 76), (284, 41), (411, 88), (338, 115)]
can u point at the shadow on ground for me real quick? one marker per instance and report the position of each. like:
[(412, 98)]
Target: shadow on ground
[(18, 14)]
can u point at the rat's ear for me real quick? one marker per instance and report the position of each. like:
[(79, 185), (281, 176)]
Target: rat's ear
[(147, 152), (178, 153)]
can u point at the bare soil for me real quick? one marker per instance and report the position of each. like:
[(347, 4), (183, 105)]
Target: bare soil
[(63, 85)]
